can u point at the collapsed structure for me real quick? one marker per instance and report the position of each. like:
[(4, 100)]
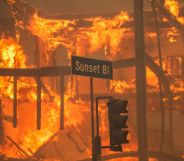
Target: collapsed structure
[(107, 36)]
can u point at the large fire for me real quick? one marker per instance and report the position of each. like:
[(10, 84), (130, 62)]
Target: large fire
[(100, 34), (68, 34), (121, 86), (13, 57), (53, 33)]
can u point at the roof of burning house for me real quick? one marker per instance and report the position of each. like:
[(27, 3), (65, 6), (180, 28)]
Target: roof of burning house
[(72, 7)]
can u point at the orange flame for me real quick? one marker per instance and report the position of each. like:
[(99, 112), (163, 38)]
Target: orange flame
[(13, 57), (65, 32)]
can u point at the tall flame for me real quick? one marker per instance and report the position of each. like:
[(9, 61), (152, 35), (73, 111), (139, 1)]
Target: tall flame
[(101, 33), (13, 57)]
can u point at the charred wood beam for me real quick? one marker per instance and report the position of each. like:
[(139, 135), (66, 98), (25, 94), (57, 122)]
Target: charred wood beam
[(15, 102), (49, 71), (42, 72), (18, 147), (62, 101), (54, 71), (39, 103), (51, 97), (19, 72), (38, 152)]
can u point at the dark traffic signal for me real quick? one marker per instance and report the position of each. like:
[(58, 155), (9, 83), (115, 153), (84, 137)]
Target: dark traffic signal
[(117, 123)]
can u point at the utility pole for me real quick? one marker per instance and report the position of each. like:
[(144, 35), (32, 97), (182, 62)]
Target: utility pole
[(140, 80)]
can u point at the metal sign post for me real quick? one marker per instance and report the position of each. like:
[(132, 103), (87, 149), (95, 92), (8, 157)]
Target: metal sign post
[(92, 120), (92, 68)]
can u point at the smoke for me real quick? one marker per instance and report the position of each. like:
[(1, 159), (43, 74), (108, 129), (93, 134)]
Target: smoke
[(82, 6), (4, 12)]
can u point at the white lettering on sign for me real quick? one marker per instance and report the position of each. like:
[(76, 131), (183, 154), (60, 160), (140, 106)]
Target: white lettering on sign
[(87, 68)]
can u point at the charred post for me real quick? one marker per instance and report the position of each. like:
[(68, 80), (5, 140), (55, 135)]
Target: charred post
[(62, 102), (15, 103), (38, 103), (140, 80)]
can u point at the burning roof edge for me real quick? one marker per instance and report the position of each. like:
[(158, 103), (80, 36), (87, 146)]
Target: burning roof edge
[(71, 15), (25, 10)]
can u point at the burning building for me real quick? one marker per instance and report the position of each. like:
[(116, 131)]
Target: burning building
[(39, 95)]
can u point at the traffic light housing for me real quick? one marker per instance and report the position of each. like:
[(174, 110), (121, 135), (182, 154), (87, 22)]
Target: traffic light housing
[(117, 110)]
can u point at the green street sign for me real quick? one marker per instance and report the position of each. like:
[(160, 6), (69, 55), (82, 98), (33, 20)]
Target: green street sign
[(92, 67)]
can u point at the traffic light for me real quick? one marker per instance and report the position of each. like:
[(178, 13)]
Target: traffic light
[(117, 123)]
